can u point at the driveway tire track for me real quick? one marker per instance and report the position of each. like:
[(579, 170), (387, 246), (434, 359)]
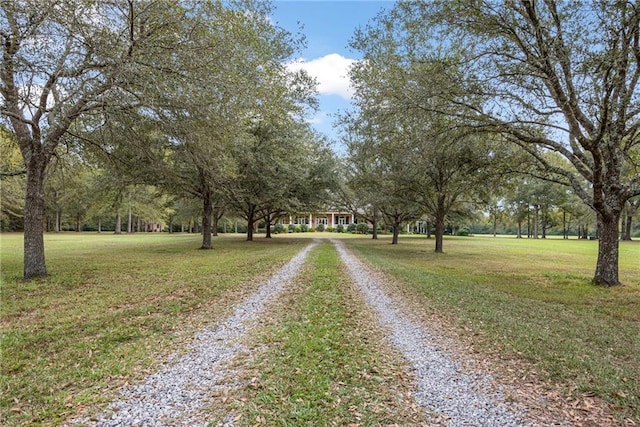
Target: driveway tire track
[(179, 393), (460, 398)]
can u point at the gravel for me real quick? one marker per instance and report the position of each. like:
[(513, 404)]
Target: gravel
[(180, 392), (458, 398)]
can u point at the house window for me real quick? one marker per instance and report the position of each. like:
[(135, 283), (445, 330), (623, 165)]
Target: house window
[(322, 220), (342, 220), (301, 220)]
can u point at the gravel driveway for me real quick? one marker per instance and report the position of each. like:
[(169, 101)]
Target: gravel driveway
[(179, 393), (449, 395)]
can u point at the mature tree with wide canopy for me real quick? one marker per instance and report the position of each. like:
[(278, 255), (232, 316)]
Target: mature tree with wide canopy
[(548, 76), (380, 167), (358, 190), (62, 60)]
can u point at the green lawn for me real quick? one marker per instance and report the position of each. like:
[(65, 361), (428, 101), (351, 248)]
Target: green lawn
[(531, 299), (113, 304), (109, 305)]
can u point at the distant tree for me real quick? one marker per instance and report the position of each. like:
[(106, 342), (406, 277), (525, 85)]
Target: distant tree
[(357, 192), (282, 167), (496, 213), (517, 203), (631, 209)]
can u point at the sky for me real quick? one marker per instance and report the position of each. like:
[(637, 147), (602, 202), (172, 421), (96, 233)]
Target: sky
[(328, 26)]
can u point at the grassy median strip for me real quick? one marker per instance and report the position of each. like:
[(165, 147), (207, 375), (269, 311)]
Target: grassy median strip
[(111, 307), (531, 300), (324, 363)]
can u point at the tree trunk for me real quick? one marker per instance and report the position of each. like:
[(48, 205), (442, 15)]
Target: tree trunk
[(118, 229), (214, 226), (440, 215), (250, 221), (439, 234), (536, 222), (34, 262), (58, 226), (99, 225), (207, 209), (374, 231), (627, 228), (607, 264), (396, 232), (519, 235), (495, 224), (129, 221), (267, 221)]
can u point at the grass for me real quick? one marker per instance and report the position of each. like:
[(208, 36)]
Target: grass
[(532, 300), (113, 304), (109, 307), (323, 366)]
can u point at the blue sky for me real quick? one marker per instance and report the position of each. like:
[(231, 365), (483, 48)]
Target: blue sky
[(328, 27)]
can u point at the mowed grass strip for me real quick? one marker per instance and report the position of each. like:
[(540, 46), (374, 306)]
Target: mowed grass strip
[(111, 308), (324, 363), (532, 300)]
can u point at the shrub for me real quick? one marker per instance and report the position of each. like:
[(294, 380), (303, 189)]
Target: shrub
[(330, 229), (278, 228), (340, 228), (351, 228), (304, 228), (312, 230), (362, 228), (463, 231), (297, 229), (291, 228), (320, 227)]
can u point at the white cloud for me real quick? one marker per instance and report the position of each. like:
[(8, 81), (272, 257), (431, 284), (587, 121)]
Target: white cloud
[(318, 119), (331, 71)]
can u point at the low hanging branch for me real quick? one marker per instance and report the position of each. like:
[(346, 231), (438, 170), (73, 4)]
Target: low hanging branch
[(13, 173)]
